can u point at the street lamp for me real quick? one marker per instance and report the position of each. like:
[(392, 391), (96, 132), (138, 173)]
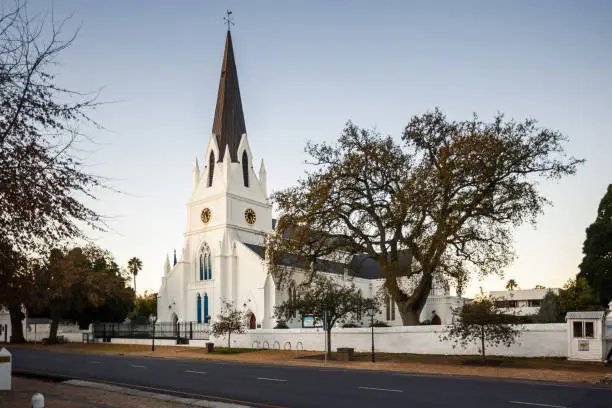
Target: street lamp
[(153, 320), (372, 312)]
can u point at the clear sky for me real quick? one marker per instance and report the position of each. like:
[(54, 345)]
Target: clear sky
[(305, 68)]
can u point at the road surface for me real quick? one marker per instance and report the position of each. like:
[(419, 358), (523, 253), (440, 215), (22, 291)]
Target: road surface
[(302, 387)]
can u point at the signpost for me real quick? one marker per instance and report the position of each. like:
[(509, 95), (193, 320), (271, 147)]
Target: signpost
[(325, 332)]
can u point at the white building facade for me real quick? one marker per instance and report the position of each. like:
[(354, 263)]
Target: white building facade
[(522, 302), (228, 216)]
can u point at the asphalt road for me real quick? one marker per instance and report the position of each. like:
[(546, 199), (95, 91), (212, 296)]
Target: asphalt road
[(279, 386)]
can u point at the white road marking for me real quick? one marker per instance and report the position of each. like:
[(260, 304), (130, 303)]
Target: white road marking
[(535, 404), (95, 362), (270, 379), (138, 366), (380, 389), (195, 372)]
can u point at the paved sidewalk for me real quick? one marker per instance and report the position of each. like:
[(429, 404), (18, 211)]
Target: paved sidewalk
[(60, 395)]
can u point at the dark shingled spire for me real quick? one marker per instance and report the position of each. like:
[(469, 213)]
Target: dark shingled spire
[(229, 125)]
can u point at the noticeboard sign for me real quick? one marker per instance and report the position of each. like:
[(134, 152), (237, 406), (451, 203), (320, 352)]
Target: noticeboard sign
[(583, 346), (308, 321)]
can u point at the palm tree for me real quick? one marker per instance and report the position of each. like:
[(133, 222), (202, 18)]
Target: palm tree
[(134, 266), (511, 285)]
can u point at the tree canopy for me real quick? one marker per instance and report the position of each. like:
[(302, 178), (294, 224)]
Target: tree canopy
[(80, 284), (43, 184), (450, 194), (577, 295), (483, 323), (596, 266), (229, 321), (511, 284), (341, 303)]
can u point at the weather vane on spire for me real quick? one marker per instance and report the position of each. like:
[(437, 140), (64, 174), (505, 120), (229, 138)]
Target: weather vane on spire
[(228, 19)]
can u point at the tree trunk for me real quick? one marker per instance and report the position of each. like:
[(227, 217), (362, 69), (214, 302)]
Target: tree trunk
[(16, 326), (229, 344), (53, 331), (409, 312), (410, 307), (482, 344), (134, 285)]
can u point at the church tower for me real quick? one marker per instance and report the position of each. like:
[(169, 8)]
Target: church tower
[(228, 216), (229, 196)]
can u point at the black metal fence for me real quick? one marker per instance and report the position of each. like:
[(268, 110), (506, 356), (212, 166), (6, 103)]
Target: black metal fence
[(163, 330)]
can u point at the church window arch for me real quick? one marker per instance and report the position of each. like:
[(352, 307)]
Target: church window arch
[(199, 308), (205, 263), (205, 307), (245, 168), (211, 168)]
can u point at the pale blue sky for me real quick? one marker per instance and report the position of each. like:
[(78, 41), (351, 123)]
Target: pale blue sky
[(305, 68)]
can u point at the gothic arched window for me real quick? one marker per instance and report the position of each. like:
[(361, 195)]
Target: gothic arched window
[(209, 266), (199, 308), (245, 168), (201, 267), (205, 307), (211, 168), (205, 262)]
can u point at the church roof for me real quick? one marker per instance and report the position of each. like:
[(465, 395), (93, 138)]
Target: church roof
[(228, 124), (360, 266)]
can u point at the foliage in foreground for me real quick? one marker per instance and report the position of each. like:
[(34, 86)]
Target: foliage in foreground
[(229, 321), (482, 323), (341, 303), (596, 266)]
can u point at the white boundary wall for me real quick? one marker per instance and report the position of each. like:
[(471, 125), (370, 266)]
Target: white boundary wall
[(536, 340)]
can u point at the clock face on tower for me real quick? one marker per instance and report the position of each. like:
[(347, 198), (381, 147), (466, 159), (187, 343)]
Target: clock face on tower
[(249, 216), (205, 216)]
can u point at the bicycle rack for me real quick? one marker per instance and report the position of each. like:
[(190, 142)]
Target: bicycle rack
[(266, 345), (257, 344), (287, 343), (274, 345)]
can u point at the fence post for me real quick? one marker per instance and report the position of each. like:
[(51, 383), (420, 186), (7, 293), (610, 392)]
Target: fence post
[(190, 330)]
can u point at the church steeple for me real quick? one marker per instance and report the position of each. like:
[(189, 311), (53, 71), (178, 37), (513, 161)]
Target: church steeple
[(228, 125)]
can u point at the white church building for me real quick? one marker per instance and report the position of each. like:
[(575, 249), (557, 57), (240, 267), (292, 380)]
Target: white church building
[(228, 215)]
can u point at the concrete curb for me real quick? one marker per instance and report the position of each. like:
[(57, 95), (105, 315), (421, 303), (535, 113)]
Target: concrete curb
[(152, 395)]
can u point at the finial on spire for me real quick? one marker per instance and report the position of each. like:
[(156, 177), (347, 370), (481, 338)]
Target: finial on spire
[(228, 19)]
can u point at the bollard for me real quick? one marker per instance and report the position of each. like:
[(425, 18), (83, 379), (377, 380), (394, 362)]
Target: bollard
[(38, 401), (5, 369)]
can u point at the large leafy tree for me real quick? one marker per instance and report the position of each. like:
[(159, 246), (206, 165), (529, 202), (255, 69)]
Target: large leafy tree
[(577, 295), (81, 284), (482, 323), (596, 266), (340, 303), (44, 186), (144, 307), (451, 195), (550, 309)]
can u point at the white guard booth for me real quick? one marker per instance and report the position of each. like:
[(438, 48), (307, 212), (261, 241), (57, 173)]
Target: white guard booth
[(608, 336), (586, 332), (5, 369)]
